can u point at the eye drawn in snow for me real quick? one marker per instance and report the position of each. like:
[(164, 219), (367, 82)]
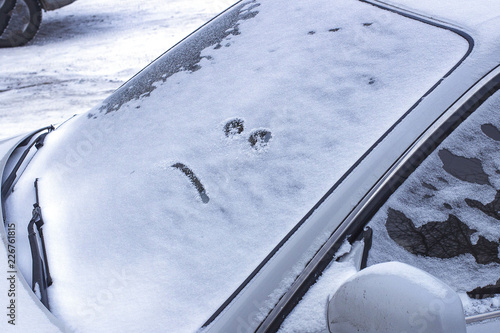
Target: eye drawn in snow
[(334, 30), (312, 32), (444, 240), (259, 138), (463, 168), (367, 24), (194, 180), (491, 131), (233, 127)]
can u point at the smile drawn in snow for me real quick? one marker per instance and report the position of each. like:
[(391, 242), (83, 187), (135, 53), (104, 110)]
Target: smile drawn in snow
[(258, 139), (194, 180)]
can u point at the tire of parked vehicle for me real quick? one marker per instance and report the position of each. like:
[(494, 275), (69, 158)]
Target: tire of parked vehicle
[(24, 23), (6, 7)]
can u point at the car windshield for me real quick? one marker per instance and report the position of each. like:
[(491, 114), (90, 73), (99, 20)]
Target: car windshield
[(159, 202)]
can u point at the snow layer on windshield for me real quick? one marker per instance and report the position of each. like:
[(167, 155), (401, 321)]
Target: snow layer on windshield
[(155, 213), (450, 203)]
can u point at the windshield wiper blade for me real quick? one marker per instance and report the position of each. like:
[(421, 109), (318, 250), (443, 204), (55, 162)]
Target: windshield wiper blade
[(41, 278), (38, 143)]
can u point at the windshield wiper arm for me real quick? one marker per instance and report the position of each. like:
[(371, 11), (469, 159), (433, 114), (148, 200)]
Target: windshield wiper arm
[(38, 143), (41, 278)]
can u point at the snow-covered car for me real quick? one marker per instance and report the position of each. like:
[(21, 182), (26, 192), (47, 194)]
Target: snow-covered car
[(291, 166), (21, 19)]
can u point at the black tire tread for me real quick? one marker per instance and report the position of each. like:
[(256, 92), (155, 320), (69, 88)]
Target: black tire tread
[(5, 13), (10, 37)]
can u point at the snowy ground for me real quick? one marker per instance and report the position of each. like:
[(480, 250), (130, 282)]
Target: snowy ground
[(85, 51)]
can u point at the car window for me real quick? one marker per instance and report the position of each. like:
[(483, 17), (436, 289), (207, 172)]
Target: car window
[(179, 185), (443, 219)]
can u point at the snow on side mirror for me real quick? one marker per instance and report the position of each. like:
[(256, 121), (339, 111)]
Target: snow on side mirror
[(395, 297)]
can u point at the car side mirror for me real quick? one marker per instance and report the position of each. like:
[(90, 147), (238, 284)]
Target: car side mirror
[(395, 297)]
